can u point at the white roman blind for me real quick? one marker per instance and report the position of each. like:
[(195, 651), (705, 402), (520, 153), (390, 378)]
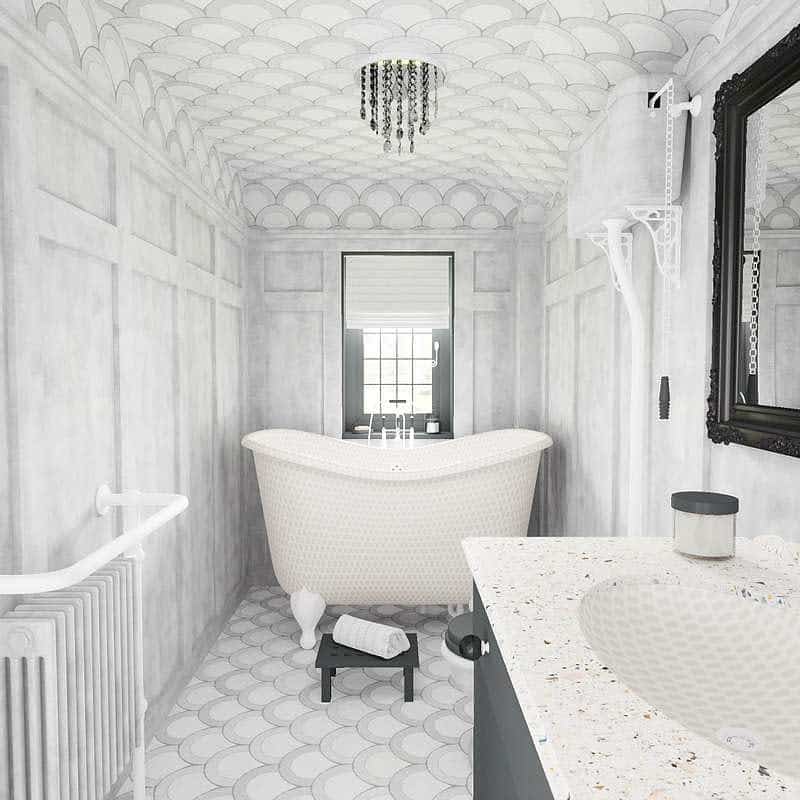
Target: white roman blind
[(397, 291)]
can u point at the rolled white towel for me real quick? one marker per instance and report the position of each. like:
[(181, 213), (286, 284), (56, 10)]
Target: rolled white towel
[(379, 640)]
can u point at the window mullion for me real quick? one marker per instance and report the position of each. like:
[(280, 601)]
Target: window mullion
[(396, 372), (413, 353)]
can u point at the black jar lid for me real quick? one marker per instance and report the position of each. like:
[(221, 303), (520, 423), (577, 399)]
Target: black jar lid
[(705, 503)]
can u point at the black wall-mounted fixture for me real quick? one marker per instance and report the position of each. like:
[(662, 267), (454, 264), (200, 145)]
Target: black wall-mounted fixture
[(731, 418)]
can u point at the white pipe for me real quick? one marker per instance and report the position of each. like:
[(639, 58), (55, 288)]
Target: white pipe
[(138, 764), (624, 277), (651, 103), (37, 582)]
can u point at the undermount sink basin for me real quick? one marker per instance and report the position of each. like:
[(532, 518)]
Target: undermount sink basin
[(724, 665)]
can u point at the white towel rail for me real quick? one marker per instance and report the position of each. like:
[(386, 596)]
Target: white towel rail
[(129, 545), (36, 582)]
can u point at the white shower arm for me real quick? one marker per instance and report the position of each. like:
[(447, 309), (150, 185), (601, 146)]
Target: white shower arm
[(693, 106), (36, 582)]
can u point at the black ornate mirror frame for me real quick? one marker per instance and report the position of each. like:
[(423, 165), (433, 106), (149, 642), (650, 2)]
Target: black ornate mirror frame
[(727, 420)]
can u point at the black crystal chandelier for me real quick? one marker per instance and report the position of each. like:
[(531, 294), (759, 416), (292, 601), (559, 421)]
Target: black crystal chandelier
[(398, 97)]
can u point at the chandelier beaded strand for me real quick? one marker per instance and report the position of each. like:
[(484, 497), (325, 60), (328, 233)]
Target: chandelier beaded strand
[(373, 96), (412, 104), (363, 92), (386, 83), (423, 128), (399, 92), (393, 84)]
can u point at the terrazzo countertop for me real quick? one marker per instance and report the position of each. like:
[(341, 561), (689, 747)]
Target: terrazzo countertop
[(595, 738)]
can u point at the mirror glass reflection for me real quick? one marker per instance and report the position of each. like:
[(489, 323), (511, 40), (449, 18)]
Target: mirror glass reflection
[(768, 368)]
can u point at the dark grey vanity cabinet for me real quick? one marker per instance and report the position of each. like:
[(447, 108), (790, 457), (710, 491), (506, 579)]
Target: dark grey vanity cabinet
[(505, 763)]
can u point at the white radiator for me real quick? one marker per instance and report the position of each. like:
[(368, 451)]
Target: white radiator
[(72, 700), (68, 688)]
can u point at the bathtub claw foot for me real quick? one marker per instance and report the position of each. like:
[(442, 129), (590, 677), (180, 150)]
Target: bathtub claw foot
[(308, 608)]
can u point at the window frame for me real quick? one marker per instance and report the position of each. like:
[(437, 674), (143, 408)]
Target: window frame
[(396, 359), (446, 421)]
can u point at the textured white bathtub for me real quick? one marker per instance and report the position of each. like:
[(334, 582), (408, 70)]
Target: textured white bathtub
[(365, 525)]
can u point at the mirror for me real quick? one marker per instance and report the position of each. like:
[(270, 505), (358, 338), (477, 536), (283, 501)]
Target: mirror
[(768, 363), (755, 376)]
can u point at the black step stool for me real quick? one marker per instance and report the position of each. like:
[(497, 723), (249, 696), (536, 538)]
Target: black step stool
[(332, 656)]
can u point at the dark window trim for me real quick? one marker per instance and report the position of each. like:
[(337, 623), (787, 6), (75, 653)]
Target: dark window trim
[(450, 254)]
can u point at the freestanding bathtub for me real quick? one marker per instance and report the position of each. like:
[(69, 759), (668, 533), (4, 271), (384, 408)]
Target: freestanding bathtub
[(347, 524)]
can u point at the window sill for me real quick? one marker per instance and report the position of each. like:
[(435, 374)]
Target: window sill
[(377, 435)]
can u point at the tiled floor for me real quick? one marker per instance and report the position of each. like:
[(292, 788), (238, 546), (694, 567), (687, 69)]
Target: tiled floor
[(250, 725)]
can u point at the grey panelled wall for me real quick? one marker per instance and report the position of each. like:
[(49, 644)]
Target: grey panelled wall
[(586, 357), (586, 366), (563, 261), (584, 335), (8, 555), (295, 337), (122, 331)]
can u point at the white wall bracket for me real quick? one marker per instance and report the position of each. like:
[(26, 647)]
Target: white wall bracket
[(665, 231), (600, 238), (693, 106), (102, 500)]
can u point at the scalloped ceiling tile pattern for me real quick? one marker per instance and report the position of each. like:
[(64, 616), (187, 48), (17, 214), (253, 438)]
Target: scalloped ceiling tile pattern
[(782, 204), (394, 204), (270, 88)]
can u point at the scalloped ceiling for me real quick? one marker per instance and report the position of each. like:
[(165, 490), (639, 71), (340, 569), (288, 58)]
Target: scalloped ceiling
[(781, 207), (783, 150), (270, 84)]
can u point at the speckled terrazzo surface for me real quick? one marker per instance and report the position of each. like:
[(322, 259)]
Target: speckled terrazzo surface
[(597, 739)]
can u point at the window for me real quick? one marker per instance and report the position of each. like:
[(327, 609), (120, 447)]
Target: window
[(397, 370), (397, 338)]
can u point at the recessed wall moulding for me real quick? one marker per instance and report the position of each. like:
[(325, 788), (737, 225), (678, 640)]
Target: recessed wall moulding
[(395, 205)]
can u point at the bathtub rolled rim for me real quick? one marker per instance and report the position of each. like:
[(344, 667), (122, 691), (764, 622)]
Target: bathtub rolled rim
[(424, 463)]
